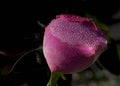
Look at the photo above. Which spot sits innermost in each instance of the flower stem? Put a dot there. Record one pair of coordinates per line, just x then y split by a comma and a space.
36, 49
53, 79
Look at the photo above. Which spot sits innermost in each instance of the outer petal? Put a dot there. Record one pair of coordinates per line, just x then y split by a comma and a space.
70, 45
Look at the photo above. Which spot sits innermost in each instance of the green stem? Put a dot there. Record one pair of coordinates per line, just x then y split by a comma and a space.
53, 79
36, 49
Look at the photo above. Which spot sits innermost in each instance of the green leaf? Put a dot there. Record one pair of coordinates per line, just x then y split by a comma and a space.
54, 78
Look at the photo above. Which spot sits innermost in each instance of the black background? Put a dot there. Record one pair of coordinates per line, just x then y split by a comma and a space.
19, 27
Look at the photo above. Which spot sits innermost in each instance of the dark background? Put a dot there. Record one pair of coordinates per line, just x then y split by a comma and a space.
19, 31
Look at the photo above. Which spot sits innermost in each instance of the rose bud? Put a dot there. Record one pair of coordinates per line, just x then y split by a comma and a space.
72, 43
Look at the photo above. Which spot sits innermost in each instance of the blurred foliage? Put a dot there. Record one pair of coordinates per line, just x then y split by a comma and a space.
118, 51
97, 77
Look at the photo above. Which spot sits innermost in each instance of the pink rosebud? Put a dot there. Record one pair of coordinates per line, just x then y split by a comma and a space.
72, 43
